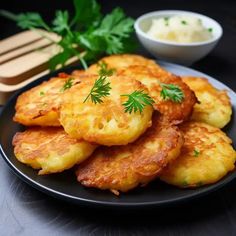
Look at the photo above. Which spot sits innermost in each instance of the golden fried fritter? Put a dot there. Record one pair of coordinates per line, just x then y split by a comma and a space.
214, 107
104, 123
120, 62
50, 149
206, 157
40, 105
125, 167
152, 78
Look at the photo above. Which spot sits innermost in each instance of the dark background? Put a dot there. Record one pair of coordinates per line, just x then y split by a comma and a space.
25, 211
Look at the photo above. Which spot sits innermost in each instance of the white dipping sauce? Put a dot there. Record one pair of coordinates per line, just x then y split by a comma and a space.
180, 29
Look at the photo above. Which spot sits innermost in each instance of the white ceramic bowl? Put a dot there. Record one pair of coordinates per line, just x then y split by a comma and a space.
181, 53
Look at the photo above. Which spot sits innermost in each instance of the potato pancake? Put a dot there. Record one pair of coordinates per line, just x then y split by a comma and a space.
104, 123
125, 167
120, 62
214, 107
40, 105
152, 79
206, 157
50, 149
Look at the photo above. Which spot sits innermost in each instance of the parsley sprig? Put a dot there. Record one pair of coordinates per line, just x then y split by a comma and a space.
101, 87
172, 92
196, 153
68, 84
104, 70
87, 34
137, 101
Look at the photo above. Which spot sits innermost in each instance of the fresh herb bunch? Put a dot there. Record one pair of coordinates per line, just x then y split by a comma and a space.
101, 87
172, 92
137, 101
88, 34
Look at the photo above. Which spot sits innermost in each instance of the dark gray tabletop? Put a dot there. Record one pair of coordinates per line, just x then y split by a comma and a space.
26, 211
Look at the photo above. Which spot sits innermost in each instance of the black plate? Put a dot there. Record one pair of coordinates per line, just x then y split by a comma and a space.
66, 187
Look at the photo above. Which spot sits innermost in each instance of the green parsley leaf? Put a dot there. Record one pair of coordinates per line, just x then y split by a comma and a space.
171, 92
137, 101
117, 26
111, 33
60, 23
210, 29
100, 89
68, 84
31, 20
87, 13
183, 22
104, 71
196, 153
117, 23
26, 20
42, 93
59, 59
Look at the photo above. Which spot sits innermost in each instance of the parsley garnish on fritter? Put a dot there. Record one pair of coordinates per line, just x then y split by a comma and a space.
68, 84
104, 71
101, 87
137, 101
172, 92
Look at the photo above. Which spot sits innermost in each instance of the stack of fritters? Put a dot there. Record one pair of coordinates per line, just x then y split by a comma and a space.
132, 148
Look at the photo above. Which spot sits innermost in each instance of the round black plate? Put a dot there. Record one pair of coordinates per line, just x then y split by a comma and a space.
66, 187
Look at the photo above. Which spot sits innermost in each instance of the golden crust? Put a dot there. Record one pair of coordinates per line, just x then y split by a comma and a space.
105, 123
206, 157
120, 62
40, 105
125, 167
214, 107
50, 149
78, 73
151, 78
